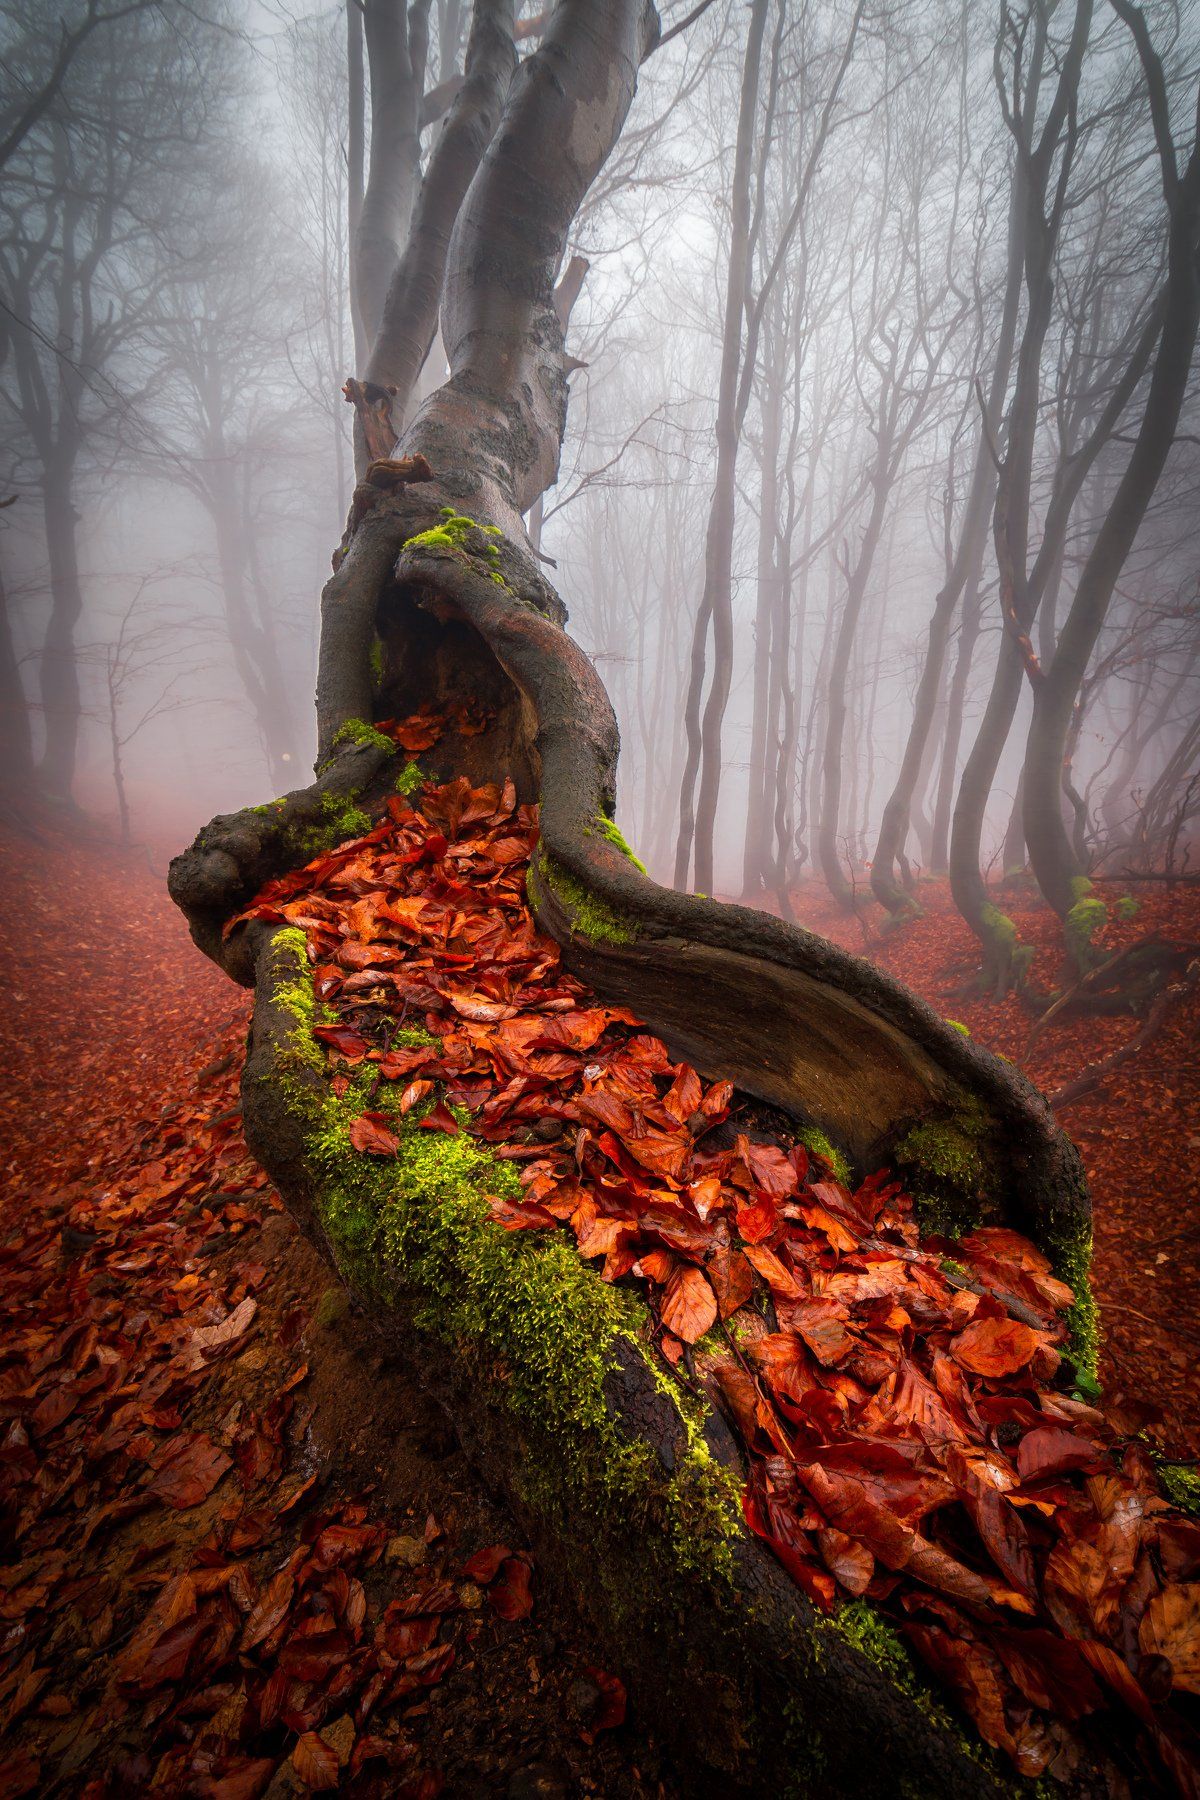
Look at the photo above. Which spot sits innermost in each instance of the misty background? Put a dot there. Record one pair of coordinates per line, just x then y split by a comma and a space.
176, 326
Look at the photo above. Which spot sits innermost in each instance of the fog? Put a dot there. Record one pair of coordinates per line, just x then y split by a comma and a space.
862, 296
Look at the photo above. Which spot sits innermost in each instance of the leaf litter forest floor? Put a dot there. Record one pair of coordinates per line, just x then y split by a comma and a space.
262, 1533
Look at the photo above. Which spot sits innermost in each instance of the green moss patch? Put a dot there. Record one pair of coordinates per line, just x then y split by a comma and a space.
946, 1171
590, 916
608, 828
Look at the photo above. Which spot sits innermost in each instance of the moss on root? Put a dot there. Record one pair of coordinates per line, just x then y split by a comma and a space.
1071, 1259
608, 828
341, 818
358, 731
1087, 916
943, 1163
590, 916
522, 1316
816, 1141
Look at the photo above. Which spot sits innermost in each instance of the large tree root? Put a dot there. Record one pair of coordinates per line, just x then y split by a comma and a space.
628, 1489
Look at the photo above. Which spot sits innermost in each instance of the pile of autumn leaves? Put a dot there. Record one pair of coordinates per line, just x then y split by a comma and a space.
906, 1439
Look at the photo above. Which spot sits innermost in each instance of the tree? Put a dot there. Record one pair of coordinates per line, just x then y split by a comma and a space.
438, 600
1174, 329
90, 202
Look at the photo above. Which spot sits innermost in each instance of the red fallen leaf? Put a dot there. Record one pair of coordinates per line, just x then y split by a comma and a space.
657, 1265
1050, 1671
19, 1774
609, 1711
689, 1306
344, 1039
311, 1658
190, 1472
268, 1610
429, 1666
785, 1362
732, 1280
975, 1677
510, 1593
1052, 1451
516, 1217
778, 1277
995, 1347
58, 1405
244, 1780
1171, 1627
997, 1521
484, 1566
683, 1096
315, 1763
405, 1637
815, 1582
371, 1134
758, 1220
822, 1325
416, 1090
715, 1103
851, 1564
440, 1118
436, 1597
337, 1545
772, 1170
168, 1660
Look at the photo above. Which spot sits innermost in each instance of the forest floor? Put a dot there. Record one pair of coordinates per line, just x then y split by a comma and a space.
1139, 1134
191, 1420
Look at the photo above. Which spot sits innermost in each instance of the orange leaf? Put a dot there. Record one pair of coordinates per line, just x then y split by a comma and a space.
689, 1306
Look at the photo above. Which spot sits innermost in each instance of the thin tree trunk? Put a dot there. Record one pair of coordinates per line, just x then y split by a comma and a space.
828, 849
355, 164
16, 733
756, 845
59, 670
704, 743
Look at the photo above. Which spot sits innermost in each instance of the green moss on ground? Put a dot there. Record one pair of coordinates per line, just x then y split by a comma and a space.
590, 916
409, 779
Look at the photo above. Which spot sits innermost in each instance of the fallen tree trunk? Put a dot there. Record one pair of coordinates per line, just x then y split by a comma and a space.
629, 1489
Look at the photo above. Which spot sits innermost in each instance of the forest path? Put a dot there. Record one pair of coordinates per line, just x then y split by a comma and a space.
1139, 1134
213, 1570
